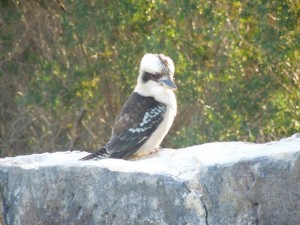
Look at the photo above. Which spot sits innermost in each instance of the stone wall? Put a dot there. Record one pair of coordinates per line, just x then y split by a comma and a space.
216, 184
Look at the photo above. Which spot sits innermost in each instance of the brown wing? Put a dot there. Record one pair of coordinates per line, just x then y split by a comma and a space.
138, 119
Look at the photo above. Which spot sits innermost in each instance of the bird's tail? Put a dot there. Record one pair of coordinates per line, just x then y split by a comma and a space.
100, 154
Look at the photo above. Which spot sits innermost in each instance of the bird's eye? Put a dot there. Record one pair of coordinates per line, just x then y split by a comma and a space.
156, 76
150, 76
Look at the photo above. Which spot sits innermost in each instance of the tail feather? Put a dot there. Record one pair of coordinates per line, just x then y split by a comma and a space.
100, 154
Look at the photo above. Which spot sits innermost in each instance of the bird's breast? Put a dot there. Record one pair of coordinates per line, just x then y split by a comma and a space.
152, 144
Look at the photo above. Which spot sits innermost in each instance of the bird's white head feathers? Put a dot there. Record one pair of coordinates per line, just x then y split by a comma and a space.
153, 63
156, 78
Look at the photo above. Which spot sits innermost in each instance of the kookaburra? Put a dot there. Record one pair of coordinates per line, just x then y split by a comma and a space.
148, 114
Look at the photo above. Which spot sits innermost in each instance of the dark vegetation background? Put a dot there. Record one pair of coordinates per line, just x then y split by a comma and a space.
66, 68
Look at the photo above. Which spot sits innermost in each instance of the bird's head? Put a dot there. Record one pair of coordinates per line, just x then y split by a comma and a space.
157, 71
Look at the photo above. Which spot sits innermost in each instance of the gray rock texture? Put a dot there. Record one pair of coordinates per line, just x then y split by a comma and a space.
216, 184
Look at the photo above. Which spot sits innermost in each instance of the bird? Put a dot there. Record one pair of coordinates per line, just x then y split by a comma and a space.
147, 115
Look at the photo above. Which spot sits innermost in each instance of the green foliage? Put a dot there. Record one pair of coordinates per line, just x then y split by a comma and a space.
67, 67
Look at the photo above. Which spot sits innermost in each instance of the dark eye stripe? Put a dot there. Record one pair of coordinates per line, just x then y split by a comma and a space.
150, 76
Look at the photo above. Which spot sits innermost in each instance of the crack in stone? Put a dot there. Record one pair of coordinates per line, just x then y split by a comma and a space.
256, 206
206, 213
194, 200
4, 207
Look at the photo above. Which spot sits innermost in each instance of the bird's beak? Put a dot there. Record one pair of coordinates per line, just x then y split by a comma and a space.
167, 82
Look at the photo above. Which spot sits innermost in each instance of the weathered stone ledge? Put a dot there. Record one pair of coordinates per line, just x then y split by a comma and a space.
216, 184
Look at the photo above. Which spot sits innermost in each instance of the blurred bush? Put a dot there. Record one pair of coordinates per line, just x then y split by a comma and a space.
66, 68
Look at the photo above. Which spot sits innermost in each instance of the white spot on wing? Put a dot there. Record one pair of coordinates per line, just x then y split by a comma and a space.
149, 119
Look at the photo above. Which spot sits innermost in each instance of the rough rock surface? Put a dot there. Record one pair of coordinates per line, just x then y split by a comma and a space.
215, 184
